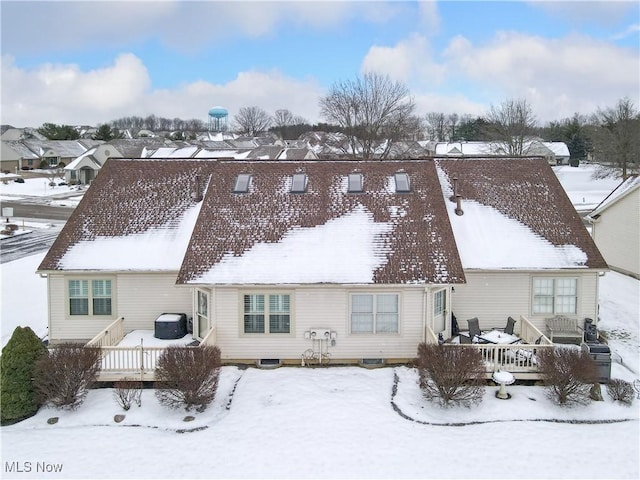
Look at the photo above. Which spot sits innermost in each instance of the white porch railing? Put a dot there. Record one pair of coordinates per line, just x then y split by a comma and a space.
519, 358
110, 336
210, 338
137, 362
530, 333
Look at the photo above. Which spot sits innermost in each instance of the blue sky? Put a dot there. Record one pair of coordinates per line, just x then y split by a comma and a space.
91, 62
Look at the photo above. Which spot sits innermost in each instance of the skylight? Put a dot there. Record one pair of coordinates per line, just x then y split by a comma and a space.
355, 183
402, 182
299, 183
242, 183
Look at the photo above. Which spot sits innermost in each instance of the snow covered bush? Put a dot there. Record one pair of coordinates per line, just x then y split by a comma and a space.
64, 376
128, 391
620, 391
18, 398
568, 374
450, 374
187, 377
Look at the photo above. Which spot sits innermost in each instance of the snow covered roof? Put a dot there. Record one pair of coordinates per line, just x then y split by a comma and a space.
515, 217
629, 185
142, 215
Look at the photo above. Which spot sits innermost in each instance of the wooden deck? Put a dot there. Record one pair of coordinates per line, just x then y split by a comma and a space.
139, 362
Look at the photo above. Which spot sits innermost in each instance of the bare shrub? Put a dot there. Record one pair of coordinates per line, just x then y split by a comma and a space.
451, 374
64, 376
568, 375
128, 391
620, 391
188, 377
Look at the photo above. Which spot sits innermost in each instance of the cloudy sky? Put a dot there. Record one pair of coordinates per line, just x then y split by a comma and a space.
89, 62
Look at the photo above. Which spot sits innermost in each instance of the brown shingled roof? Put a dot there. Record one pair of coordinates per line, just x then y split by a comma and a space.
526, 190
421, 247
130, 196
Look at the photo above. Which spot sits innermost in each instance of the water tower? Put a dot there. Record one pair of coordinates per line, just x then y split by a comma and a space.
218, 119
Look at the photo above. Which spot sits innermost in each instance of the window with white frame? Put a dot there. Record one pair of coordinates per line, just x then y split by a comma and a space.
267, 313
374, 313
90, 297
555, 296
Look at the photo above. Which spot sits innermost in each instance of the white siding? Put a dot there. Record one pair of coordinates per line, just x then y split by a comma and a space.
139, 298
494, 296
317, 307
617, 234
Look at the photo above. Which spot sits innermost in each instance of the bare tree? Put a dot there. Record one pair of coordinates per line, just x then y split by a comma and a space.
510, 125
369, 110
436, 128
616, 137
452, 126
251, 121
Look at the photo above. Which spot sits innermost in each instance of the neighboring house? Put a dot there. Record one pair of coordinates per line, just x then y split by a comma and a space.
263, 254
85, 168
297, 153
17, 156
265, 152
616, 227
555, 153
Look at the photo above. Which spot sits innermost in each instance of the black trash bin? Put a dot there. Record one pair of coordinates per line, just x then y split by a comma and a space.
601, 354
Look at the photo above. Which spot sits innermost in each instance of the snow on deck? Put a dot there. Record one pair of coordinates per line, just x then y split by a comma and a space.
347, 249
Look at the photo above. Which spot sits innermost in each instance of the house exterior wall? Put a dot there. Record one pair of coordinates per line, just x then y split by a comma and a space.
617, 234
316, 307
137, 297
492, 296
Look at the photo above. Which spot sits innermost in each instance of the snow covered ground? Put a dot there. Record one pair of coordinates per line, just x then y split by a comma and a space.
341, 422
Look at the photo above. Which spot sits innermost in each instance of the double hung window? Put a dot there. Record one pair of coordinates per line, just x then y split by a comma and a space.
374, 313
555, 296
267, 313
90, 297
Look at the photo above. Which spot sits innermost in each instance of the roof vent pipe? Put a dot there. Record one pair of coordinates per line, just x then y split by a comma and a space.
459, 205
455, 189
197, 193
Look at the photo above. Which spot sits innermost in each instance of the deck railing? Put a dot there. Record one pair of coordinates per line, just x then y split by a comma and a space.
210, 338
530, 333
110, 336
519, 359
137, 362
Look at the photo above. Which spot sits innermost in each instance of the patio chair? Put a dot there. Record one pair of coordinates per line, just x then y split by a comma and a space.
465, 338
474, 328
510, 324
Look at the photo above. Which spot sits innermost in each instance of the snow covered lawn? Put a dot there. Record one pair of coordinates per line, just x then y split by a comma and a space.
329, 423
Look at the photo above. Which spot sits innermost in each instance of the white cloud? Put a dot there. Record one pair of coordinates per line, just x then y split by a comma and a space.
66, 94
582, 11
630, 30
185, 26
429, 15
558, 76
410, 61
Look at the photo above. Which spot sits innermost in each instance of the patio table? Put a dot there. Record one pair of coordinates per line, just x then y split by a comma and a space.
496, 336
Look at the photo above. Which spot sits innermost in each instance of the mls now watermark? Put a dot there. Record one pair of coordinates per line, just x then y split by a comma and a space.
35, 467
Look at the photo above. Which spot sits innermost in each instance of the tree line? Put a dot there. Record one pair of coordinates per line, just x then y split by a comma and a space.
372, 112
